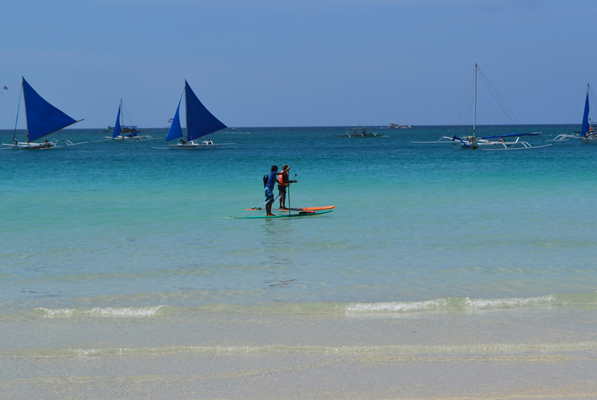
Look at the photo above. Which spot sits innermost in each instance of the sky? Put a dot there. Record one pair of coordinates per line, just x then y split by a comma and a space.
270, 63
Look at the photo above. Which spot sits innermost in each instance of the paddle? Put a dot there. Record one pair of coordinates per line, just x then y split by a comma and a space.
289, 193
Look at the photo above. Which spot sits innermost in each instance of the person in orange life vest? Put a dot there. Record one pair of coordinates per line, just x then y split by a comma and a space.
283, 183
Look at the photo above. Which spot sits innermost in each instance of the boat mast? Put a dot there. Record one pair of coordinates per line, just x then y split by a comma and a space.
475, 116
121, 114
588, 117
25, 103
186, 107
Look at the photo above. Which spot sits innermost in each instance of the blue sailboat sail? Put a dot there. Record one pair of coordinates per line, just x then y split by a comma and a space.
200, 121
175, 130
585, 118
117, 125
42, 117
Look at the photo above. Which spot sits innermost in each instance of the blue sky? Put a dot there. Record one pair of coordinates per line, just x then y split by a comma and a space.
301, 62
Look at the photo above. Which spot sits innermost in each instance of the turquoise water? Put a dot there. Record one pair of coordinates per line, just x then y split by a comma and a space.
109, 247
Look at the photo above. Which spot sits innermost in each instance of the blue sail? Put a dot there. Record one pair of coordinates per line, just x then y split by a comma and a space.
117, 125
175, 130
42, 117
585, 118
200, 121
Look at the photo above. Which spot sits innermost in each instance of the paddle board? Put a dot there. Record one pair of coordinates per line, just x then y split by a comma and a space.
291, 215
294, 209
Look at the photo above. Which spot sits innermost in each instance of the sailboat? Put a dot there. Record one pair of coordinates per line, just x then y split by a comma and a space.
200, 122
493, 142
587, 134
42, 120
126, 132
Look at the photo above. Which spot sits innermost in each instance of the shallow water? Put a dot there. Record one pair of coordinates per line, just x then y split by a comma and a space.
119, 257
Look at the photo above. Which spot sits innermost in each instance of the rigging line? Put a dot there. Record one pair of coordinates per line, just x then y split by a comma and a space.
14, 135
574, 113
466, 103
499, 100
128, 114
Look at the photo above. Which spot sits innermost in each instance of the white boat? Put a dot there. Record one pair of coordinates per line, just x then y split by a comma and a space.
392, 125
42, 120
493, 142
200, 122
126, 132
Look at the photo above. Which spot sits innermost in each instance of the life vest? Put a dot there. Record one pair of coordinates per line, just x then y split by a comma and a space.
281, 179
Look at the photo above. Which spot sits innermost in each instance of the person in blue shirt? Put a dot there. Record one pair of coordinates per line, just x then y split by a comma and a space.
269, 190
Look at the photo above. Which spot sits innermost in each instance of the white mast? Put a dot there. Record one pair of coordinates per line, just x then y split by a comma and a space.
475, 116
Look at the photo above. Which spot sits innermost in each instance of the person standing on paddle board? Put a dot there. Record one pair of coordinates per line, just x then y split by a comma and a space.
283, 183
269, 190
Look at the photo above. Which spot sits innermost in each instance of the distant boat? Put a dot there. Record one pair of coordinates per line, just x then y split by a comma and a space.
126, 132
587, 134
396, 126
42, 120
200, 123
488, 142
359, 133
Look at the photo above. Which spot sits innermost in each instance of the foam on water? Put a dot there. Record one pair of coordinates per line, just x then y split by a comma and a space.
131, 312
584, 301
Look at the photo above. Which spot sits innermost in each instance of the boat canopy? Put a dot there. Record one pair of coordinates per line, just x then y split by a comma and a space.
200, 121
42, 117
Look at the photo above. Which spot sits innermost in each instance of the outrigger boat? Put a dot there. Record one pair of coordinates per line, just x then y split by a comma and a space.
359, 133
393, 125
42, 120
126, 132
200, 122
493, 142
587, 134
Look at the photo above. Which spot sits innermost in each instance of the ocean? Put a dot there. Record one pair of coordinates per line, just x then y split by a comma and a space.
439, 274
